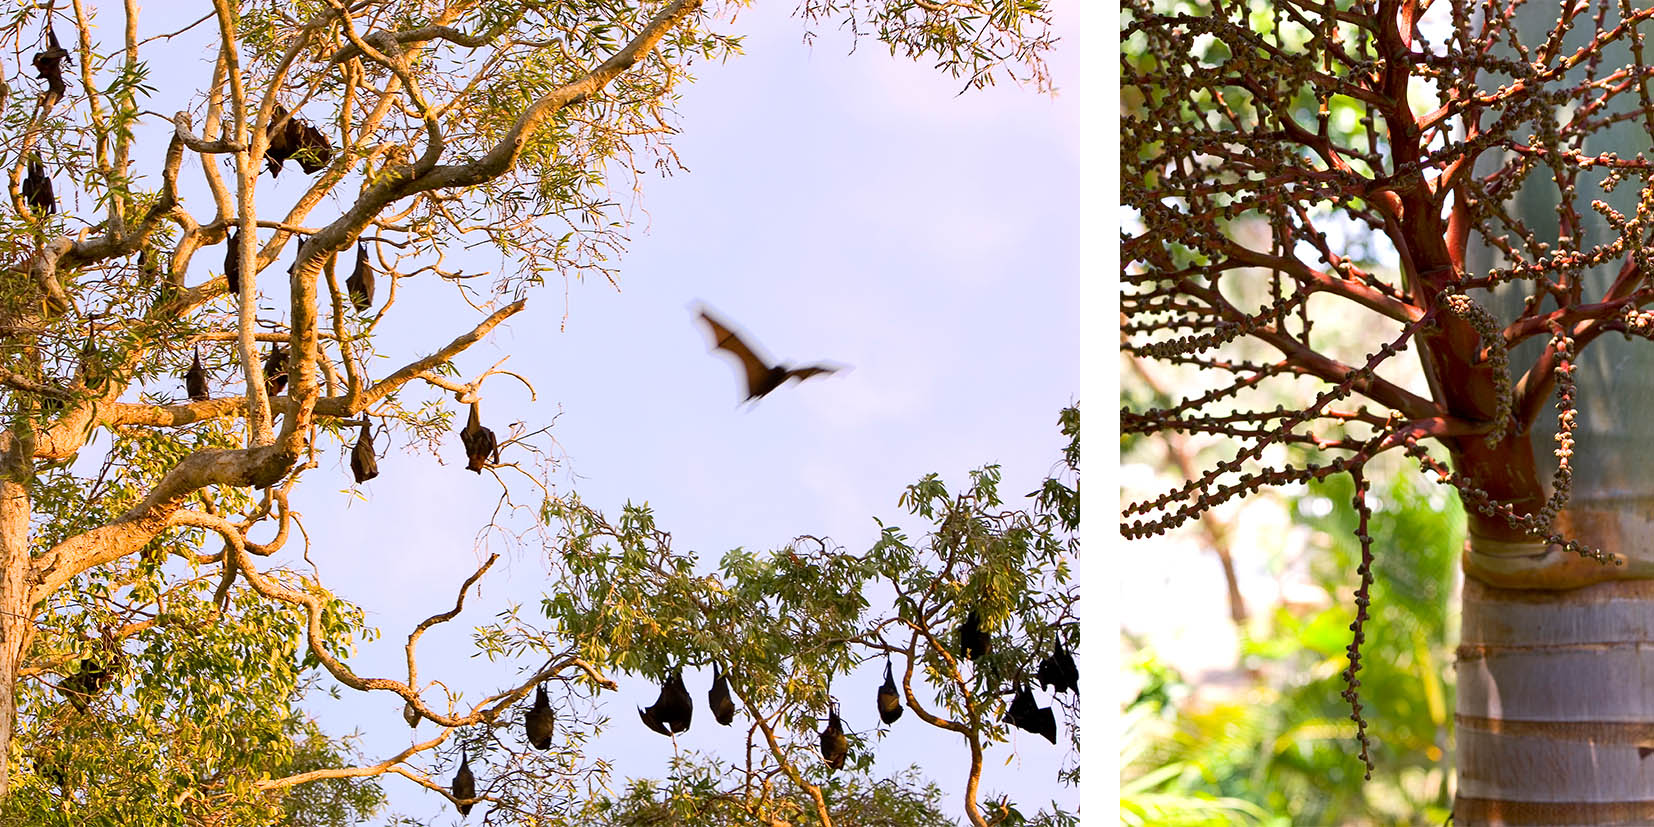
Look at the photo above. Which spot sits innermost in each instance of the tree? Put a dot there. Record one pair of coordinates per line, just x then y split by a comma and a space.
138, 606
1286, 163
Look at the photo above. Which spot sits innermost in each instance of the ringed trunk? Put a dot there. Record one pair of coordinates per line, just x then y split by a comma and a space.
1554, 715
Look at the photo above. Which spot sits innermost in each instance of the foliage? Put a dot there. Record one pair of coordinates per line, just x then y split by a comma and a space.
784, 625
691, 798
1274, 752
207, 703
155, 583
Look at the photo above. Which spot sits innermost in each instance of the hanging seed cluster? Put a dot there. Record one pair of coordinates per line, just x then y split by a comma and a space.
1278, 164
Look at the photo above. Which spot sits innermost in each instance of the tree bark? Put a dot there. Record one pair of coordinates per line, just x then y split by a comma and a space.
15, 627
1554, 716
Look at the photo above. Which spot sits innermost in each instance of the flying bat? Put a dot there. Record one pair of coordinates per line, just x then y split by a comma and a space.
762, 377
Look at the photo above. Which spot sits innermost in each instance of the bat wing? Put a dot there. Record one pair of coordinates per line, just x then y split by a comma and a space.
813, 370
725, 339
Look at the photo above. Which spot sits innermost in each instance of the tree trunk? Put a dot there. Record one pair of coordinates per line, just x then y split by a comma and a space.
1554, 716
15, 627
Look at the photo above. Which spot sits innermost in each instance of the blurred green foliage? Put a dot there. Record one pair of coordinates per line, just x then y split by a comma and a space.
1281, 751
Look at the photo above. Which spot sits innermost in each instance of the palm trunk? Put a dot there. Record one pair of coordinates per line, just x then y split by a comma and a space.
1555, 719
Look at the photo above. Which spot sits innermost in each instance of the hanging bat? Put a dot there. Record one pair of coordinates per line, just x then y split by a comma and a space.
37, 190
890, 703
1026, 714
48, 66
465, 784
292, 138
762, 377
283, 134
723, 709
973, 642
232, 262
89, 679
479, 443
195, 380
538, 722
673, 710
275, 371
299, 240
1059, 670
148, 268
314, 151
360, 283
834, 746
93, 377
364, 464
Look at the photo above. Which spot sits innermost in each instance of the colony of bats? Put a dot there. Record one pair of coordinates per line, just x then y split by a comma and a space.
292, 138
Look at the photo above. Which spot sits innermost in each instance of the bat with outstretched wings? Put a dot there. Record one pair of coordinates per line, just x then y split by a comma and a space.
762, 377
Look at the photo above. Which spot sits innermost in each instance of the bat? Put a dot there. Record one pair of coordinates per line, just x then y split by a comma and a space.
973, 642
479, 443
315, 152
148, 268
299, 240
360, 283
283, 136
48, 66
195, 380
410, 714
93, 376
673, 710
834, 746
364, 464
275, 371
465, 784
291, 137
1059, 670
89, 679
1026, 714
762, 377
232, 262
723, 709
37, 190
539, 720
890, 703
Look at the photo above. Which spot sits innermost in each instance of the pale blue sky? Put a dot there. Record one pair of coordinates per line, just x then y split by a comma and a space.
843, 207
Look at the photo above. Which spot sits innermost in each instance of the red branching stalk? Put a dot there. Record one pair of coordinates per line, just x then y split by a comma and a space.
1276, 170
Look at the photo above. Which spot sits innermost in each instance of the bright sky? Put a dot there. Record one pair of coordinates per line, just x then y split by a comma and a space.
846, 208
